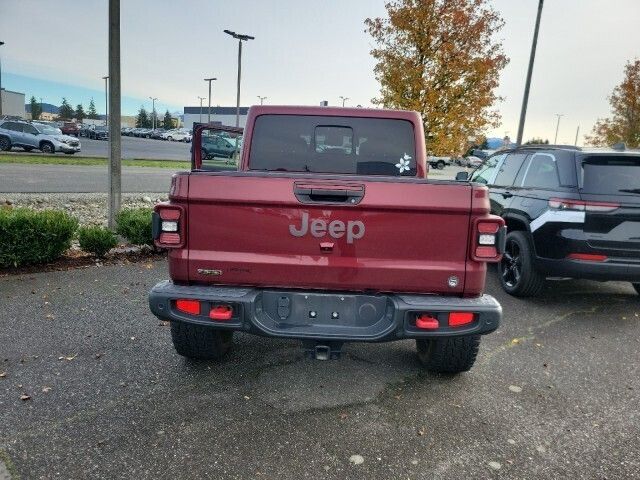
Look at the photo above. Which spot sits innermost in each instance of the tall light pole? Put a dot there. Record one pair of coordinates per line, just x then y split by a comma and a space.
106, 98
209, 110
525, 99
241, 38
577, 132
1, 43
344, 99
115, 102
153, 111
261, 99
40, 108
559, 115
201, 99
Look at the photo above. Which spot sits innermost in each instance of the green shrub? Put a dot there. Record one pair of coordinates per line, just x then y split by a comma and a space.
28, 237
134, 224
96, 240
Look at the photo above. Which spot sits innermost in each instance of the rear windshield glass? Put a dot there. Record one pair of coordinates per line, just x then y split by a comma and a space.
345, 145
611, 175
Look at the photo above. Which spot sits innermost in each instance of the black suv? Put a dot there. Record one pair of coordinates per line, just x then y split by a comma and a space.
570, 213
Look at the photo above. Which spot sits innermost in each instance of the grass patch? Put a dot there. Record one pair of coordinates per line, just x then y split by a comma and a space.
94, 161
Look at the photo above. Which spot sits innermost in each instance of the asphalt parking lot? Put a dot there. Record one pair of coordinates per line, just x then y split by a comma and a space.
554, 393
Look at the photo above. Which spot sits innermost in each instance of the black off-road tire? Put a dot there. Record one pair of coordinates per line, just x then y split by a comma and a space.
448, 354
200, 342
5, 144
637, 287
519, 255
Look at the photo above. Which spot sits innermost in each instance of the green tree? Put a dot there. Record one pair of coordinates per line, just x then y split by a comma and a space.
36, 108
168, 121
443, 59
624, 123
80, 113
65, 111
92, 112
537, 141
143, 120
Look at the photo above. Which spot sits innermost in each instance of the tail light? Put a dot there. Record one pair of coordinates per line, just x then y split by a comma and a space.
191, 307
489, 236
221, 312
582, 206
168, 226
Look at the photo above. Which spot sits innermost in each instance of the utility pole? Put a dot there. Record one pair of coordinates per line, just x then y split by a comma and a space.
209, 110
525, 100
555, 140
577, 132
261, 99
201, 99
106, 99
115, 170
241, 38
1, 43
344, 99
153, 112
40, 107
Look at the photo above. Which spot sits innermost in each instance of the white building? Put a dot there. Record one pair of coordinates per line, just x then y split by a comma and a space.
220, 115
13, 103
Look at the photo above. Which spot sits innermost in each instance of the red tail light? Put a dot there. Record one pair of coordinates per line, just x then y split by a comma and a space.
582, 206
426, 322
221, 312
589, 257
488, 240
457, 319
168, 226
192, 307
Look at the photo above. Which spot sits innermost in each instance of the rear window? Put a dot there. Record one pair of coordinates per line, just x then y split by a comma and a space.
613, 175
345, 145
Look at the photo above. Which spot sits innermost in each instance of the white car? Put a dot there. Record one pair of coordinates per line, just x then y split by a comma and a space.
31, 136
178, 136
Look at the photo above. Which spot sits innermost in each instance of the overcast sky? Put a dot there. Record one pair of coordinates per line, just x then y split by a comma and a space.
305, 51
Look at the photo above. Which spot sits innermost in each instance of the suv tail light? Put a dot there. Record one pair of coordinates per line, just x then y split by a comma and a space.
488, 237
582, 206
168, 226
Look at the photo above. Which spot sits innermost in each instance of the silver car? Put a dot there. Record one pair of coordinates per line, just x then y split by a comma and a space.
30, 136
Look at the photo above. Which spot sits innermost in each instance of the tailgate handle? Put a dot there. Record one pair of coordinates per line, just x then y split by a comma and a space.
329, 195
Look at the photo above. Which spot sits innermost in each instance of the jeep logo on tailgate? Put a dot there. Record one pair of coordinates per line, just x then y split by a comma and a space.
336, 229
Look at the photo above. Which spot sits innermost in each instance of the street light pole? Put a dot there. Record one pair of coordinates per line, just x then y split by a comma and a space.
115, 102
106, 99
241, 38
153, 112
39, 116
577, 132
525, 99
201, 98
555, 140
209, 110
344, 99
261, 99
1, 43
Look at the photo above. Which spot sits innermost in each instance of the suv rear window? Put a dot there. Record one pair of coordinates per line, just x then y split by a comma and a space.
345, 145
612, 175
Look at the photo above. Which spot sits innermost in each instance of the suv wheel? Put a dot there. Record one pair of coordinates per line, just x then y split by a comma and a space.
517, 273
5, 144
637, 287
440, 165
47, 147
200, 342
448, 354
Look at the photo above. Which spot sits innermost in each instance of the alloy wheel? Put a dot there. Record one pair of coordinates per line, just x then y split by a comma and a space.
511, 264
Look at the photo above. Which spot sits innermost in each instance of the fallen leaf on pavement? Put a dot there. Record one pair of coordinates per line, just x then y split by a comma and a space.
24, 397
421, 431
46, 389
3, 374
343, 416
68, 358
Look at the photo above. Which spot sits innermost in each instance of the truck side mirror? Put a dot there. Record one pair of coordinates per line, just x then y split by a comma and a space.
462, 176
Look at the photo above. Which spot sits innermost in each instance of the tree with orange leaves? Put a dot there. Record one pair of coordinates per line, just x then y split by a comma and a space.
440, 58
624, 123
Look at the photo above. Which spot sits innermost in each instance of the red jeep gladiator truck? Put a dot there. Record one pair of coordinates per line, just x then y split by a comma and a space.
328, 232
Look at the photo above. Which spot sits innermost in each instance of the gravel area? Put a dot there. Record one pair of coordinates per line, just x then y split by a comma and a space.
88, 208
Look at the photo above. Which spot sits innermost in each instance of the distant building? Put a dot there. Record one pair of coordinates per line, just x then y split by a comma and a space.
13, 103
49, 111
224, 115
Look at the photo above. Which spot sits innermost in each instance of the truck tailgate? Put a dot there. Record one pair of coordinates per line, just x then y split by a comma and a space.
363, 234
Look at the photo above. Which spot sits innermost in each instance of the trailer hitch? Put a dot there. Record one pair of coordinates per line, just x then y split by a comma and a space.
322, 350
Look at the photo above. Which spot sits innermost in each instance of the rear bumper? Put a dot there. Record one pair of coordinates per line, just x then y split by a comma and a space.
310, 314
624, 270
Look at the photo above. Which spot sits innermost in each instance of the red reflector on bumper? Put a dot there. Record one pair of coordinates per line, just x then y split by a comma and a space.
589, 257
486, 252
192, 307
169, 238
457, 319
221, 312
427, 322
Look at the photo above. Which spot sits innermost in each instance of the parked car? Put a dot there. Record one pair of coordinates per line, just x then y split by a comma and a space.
70, 128
99, 132
179, 136
570, 212
439, 162
306, 244
168, 133
32, 136
217, 146
470, 161
84, 130
157, 133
